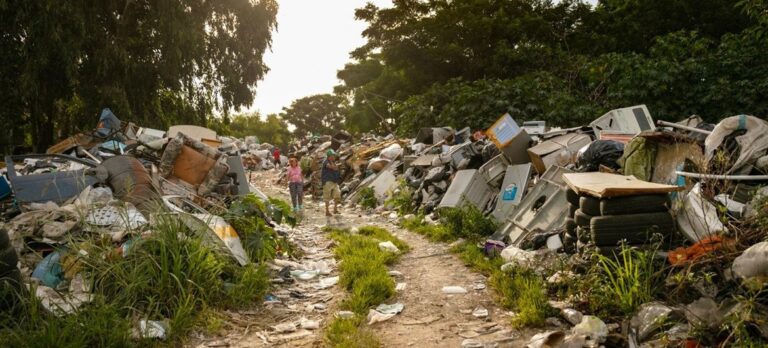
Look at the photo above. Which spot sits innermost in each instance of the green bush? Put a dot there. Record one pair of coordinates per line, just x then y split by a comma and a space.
437, 233
247, 217
467, 222
368, 198
402, 199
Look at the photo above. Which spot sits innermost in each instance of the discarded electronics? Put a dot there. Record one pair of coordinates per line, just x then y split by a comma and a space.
631, 120
513, 189
468, 186
512, 141
544, 208
560, 151
535, 127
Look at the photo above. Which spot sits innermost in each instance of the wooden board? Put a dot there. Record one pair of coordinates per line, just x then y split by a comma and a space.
603, 185
192, 166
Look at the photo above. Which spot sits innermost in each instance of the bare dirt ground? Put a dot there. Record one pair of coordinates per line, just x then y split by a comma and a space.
431, 318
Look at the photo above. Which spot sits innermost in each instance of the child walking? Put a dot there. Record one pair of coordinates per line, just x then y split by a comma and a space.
295, 183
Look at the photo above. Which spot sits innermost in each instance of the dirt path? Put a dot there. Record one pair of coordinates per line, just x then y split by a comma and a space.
434, 319
430, 318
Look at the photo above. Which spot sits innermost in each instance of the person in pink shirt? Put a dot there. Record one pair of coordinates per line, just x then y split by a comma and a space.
295, 183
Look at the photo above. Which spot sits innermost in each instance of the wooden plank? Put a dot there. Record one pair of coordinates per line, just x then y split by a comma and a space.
604, 185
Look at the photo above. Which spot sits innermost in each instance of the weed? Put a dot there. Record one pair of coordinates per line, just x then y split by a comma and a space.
97, 324
629, 278
260, 241
468, 223
401, 199
382, 235
281, 210
368, 198
350, 333
516, 289
437, 233
363, 273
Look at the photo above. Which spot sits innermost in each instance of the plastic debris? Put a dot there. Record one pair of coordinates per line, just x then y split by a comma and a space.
752, 263
650, 319
327, 282
454, 290
153, 329
480, 312
592, 327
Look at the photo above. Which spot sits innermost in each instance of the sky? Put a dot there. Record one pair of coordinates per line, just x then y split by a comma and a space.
313, 41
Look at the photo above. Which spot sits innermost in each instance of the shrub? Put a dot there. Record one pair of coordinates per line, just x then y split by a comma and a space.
368, 198
629, 278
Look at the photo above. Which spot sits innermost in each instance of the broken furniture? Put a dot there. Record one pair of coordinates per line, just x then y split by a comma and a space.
54, 186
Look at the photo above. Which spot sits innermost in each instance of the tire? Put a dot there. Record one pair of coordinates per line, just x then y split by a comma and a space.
8, 260
582, 219
5, 240
590, 205
571, 196
572, 210
634, 228
570, 226
635, 205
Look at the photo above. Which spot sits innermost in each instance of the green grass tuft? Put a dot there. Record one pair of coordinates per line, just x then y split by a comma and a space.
363, 272
350, 333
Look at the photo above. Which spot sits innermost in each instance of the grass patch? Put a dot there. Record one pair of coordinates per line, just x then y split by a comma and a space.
350, 333
436, 233
363, 272
629, 278
468, 223
517, 289
261, 242
174, 274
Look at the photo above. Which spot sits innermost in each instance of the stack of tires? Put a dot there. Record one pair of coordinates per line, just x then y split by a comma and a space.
10, 277
607, 222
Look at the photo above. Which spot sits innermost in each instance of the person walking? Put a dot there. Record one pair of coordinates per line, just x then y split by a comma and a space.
276, 156
330, 178
295, 183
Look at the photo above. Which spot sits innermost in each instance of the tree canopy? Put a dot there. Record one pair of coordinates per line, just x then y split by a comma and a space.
465, 62
155, 63
317, 114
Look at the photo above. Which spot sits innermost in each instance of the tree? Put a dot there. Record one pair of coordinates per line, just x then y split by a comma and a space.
317, 114
271, 129
152, 62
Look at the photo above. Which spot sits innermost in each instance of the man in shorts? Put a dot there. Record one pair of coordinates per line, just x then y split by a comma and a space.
331, 177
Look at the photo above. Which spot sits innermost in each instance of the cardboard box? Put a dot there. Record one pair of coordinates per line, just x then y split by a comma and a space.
560, 150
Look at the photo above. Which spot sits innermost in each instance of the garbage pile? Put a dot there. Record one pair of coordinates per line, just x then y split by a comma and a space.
112, 185
691, 189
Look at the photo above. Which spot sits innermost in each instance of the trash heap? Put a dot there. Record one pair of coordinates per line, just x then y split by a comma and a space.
694, 192
119, 184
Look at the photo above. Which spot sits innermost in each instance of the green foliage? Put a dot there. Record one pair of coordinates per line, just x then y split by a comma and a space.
272, 130
97, 324
174, 274
401, 199
317, 114
281, 210
261, 242
630, 278
153, 63
520, 290
467, 222
368, 198
437, 233
363, 272
350, 333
